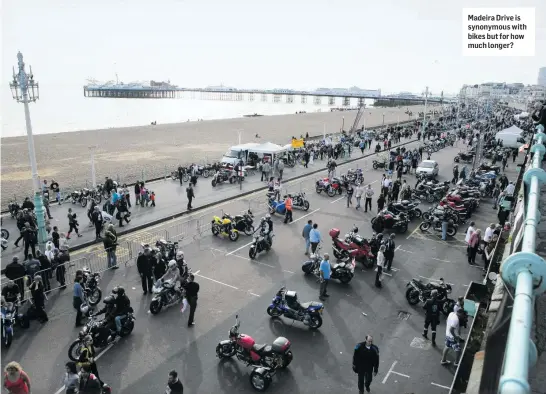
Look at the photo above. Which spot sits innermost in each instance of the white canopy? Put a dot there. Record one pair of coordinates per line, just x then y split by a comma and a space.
511, 130
268, 147
243, 147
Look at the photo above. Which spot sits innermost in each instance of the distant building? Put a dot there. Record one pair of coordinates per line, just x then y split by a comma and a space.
533, 93
492, 90
542, 76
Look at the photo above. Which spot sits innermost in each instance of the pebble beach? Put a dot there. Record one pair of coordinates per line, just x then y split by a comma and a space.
132, 153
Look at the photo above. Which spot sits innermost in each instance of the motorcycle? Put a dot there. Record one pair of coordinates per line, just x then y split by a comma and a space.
354, 247
77, 197
286, 304
165, 295
5, 234
185, 175
91, 286
344, 271
379, 164
355, 176
436, 225
407, 207
261, 243
331, 188
224, 226
417, 292
10, 317
266, 359
300, 201
243, 223
221, 176
386, 220
464, 157
14, 208
487, 168
94, 327
275, 206
168, 249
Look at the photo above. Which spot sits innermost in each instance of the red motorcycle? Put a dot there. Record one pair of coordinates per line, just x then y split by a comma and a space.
264, 358
330, 187
354, 247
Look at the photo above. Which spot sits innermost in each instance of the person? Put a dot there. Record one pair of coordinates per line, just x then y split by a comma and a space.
488, 236
305, 234
38, 298
71, 380
350, 191
192, 289
288, 207
87, 357
380, 202
15, 271
159, 264
97, 220
122, 306
10, 292
365, 363
55, 237
27, 204
455, 174
445, 225
380, 266
78, 299
32, 266
173, 273
110, 243
469, 231
137, 191
29, 238
509, 191
45, 266
72, 223
389, 251
89, 384
474, 244
108, 323
432, 316
16, 381
145, 267
190, 194
368, 202
314, 238
452, 338
174, 385
324, 270
358, 194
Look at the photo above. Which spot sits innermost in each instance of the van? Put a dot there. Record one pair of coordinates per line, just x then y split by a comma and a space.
237, 152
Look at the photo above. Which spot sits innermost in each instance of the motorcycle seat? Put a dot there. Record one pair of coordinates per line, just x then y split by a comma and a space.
238, 217
307, 305
339, 265
162, 242
259, 348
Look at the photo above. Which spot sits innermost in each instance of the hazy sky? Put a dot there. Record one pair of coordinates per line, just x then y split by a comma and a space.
395, 45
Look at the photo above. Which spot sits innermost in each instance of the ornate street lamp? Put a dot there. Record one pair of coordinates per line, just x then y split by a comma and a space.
25, 90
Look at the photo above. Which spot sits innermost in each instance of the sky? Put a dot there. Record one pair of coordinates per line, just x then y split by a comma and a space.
392, 45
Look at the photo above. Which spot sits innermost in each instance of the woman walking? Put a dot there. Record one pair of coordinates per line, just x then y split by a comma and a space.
39, 298
78, 299
72, 223
380, 266
71, 379
16, 381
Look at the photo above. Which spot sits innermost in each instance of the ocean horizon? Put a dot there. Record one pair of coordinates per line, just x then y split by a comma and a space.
67, 111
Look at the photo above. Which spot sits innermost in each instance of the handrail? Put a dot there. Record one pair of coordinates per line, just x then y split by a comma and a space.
526, 272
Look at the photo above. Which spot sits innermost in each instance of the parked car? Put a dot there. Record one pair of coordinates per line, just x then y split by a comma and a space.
429, 168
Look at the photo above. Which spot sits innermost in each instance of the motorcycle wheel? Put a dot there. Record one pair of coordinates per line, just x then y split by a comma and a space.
345, 279
273, 312
222, 351
456, 159
213, 183
305, 205
402, 228
451, 231
368, 263
97, 198
412, 296
75, 350
315, 322
24, 322
430, 198
95, 297
259, 381
337, 255
155, 307
424, 226
83, 202
287, 359
185, 178
214, 230
206, 173
174, 177
252, 252
249, 230
448, 307
426, 216
331, 192
231, 180
8, 338
417, 213
318, 189
5, 234
127, 328
233, 235
374, 165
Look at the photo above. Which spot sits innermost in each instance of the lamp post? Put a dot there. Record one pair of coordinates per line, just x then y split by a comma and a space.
425, 113
25, 90
92, 149
383, 119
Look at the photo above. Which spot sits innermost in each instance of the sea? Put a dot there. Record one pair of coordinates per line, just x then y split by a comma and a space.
66, 109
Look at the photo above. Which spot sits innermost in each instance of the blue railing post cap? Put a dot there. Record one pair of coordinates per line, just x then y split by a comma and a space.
538, 147
533, 353
540, 128
525, 261
523, 384
538, 172
539, 134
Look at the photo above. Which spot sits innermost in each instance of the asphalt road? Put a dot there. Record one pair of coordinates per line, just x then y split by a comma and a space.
232, 284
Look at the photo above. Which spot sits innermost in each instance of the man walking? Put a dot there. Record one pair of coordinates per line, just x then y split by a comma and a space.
389, 252
305, 234
191, 195
110, 243
314, 237
368, 202
72, 223
432, 316
288, 207
97, 220
350, 190
365, 363
280, 167
358, 194
144, 267
29, 238
192, 289
324, 270
452, 338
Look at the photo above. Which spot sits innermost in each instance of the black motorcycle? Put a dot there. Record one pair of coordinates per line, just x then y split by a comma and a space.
420, 292
185, 175
300, 201
464, 157
242, 223
386, 220
436, 225
286, 304
168, 249
261, 243
407, 207
92, 290
95, 328
77, 197
14, 208
379, 164
343, 271
487, 167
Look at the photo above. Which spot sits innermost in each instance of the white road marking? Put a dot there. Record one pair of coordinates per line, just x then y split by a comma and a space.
364, 314
96, 358
195, 273
290, 272
398, 247
395, 269
439, 385
241, 257
434, 280
341, 198
242, 247
254, 294
217, 281
445, 261
392, 371
404, 250
413, 232
310, 213
384, 273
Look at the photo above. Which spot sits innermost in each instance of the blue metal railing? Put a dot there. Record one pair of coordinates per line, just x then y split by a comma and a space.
526, 272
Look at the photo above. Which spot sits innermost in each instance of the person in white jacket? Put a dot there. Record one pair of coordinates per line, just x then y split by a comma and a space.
380, 266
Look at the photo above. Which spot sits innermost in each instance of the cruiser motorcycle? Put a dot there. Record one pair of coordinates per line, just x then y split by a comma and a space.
224, 226
165, 295
286, 304
92, 290
436, 225
417, 291
265, 359
77, 197
261, 243
344, 271
299, 201
168, 249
